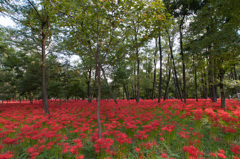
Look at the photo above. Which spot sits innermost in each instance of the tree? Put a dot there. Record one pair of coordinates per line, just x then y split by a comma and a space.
218, 34
36, 19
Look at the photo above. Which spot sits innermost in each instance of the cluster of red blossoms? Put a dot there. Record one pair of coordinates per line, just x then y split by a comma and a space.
145, 126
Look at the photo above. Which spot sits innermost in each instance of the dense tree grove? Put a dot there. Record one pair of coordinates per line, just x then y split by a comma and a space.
127, 50
197, 43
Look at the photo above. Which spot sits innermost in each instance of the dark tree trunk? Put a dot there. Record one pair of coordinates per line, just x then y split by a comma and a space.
98, 101
89, 85
235, 72
44, 89
174, 67
223, 101
205, 85
98, 73
183, 64
160, 76
214, 95
126, 92
154, 75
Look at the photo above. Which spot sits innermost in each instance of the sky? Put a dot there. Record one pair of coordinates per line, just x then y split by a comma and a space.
7, 22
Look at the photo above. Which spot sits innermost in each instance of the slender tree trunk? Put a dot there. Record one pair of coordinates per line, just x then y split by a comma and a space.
183, 64
205, 85
223, 101
98, 73
44, 89
235, 72
125, 89
160, 76
174, 67
89, 85
98, 102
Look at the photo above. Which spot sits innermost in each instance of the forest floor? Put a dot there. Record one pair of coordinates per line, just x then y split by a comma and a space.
150, 130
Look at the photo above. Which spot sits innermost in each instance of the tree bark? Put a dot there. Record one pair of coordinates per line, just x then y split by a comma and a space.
125, 89
89, 85
98, 73
183, 64
174, 67
223, 101
44, 89
160, 76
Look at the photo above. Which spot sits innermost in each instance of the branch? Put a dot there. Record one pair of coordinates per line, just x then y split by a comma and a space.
35, 9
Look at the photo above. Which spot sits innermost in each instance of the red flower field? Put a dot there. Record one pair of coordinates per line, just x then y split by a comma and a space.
148, 129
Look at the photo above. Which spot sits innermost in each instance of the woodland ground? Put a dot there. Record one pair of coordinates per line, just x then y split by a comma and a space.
148, 129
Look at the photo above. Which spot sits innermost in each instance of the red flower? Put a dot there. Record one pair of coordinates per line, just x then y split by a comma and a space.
213, 154
163, 155
137, 149
6, 155
221, 155
221, 151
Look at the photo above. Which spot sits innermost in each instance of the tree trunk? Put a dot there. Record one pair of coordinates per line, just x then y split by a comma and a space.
174, 67
89, 85
205, 85
223, 101
44, 89
183, 64
160, 76
235, 72
125, 89
98, 102
98, 73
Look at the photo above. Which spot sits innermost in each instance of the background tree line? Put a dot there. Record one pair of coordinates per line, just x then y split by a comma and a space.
127, 49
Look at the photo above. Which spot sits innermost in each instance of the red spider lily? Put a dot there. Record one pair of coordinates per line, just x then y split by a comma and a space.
141, 135
192, 151
137, 149
163, 155
6, 155
221, 151
221, 155
235, 149
169, 128
103, 144
213, 154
